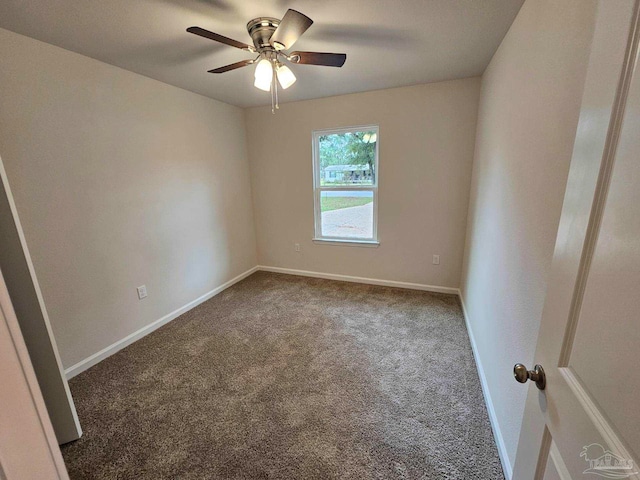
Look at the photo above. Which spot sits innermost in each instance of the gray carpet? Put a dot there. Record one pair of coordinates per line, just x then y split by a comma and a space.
291, 377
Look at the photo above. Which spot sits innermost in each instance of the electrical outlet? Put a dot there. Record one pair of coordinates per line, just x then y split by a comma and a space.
142, 292
436, 259
297, 247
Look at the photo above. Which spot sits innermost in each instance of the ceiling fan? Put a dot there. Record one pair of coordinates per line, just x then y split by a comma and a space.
271, 37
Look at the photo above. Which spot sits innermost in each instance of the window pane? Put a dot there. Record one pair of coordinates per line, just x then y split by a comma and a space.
348, 158
347, 214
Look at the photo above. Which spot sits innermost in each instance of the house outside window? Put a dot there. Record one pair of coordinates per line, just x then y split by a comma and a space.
345, 182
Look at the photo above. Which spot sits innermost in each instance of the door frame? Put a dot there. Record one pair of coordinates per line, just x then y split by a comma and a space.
31, 449
36, 329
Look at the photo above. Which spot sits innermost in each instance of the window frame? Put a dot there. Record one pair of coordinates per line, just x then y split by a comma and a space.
318, 188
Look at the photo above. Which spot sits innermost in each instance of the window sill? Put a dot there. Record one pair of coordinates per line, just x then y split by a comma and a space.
346, 243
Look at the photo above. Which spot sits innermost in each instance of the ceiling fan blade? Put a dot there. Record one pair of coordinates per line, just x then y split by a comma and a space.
219, 38
319, 58
292, 25
233, 66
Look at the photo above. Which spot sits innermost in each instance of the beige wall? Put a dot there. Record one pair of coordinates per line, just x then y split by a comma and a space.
119, 181
427, 135
529, 107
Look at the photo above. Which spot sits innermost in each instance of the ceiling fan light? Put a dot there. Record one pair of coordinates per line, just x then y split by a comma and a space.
262, 84
264, 70
285, 76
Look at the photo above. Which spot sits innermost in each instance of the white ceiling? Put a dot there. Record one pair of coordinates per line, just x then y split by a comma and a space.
388, 43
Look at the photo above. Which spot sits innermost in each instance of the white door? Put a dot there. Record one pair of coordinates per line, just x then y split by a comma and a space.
586, 423
28, 446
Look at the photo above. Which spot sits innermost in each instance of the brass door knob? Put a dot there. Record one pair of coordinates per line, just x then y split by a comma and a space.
536, 375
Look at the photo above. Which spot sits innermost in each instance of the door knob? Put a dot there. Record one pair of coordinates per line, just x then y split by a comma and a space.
521, 374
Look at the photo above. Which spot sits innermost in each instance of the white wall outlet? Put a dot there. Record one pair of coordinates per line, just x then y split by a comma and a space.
142, 291
297, 247
436, 259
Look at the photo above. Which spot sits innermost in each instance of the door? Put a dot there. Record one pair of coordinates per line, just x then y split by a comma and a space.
28, 446
22, 285
585, 423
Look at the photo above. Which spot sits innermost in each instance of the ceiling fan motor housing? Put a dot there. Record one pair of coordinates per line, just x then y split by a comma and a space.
261, 29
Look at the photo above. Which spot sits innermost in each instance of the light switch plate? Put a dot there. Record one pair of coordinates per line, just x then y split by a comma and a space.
142, 291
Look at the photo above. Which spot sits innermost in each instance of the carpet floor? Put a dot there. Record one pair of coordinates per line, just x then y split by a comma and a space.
290, 377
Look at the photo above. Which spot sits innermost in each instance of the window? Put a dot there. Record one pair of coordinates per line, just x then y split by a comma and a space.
345, 184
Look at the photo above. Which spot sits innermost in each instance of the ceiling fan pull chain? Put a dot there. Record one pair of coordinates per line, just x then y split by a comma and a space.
273, 100
275, 83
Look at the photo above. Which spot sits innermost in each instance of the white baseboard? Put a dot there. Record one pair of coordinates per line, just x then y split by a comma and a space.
368, 281
89, 362
495, 427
